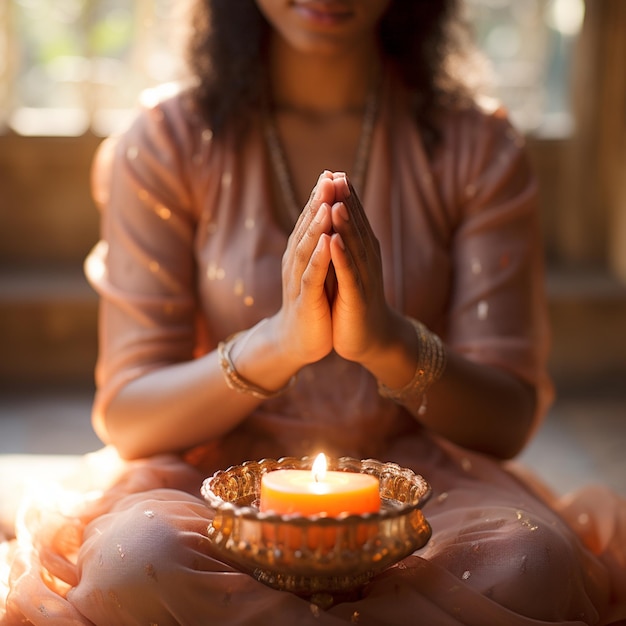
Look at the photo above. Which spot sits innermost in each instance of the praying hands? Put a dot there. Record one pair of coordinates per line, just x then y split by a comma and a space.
333, 296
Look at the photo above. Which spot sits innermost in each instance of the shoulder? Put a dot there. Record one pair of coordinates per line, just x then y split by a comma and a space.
485, 157
165, 140
165, 150
485, 123
166, 119
480, 137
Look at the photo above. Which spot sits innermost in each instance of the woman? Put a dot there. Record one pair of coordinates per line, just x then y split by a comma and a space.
398, 315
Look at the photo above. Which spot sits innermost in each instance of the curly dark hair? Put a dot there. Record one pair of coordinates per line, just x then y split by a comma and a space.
426, 39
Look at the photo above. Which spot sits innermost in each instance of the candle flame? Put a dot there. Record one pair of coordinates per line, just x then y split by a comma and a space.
319, 468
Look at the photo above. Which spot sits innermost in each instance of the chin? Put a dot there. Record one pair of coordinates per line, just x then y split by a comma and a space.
323, 47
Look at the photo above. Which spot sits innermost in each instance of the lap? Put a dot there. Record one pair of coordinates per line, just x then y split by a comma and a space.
497, 555
517, 558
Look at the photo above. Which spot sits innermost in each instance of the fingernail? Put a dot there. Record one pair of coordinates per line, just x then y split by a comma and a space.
346, 187
318, 215
339, 240
343, 211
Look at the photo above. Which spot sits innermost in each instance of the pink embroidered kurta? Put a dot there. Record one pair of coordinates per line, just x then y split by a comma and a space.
190, 253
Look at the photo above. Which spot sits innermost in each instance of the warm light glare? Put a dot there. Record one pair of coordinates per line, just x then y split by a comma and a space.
152, 96
566, 16
319, 468
95, 266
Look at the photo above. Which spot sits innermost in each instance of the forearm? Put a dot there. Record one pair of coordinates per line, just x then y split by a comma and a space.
481, 407
474, 405
181, 405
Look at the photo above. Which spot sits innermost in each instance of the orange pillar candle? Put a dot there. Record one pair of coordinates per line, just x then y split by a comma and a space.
319, 492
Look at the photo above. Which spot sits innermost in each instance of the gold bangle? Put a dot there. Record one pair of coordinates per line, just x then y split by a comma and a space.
431, 364
238, 383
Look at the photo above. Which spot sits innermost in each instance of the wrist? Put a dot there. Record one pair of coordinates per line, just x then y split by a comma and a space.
280, 345
257, 359
393, 358
431, 363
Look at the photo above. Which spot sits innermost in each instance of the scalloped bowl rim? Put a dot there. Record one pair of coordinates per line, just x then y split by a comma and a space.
249, 512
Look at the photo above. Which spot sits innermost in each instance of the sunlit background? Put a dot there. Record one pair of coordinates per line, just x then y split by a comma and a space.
529, 44
72, 65
77, 65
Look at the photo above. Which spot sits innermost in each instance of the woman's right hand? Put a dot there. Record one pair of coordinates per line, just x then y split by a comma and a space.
303, 325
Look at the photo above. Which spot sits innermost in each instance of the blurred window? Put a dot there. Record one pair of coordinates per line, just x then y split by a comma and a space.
530, 44
69, 66
77, 65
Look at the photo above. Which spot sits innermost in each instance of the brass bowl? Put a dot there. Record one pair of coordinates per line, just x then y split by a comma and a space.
311, 555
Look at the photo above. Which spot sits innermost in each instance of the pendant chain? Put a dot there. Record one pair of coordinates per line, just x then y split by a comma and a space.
279, 161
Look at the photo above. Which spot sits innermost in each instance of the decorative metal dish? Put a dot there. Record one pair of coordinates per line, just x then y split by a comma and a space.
315, 555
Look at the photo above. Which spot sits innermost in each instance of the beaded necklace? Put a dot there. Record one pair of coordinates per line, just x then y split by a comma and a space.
279, 160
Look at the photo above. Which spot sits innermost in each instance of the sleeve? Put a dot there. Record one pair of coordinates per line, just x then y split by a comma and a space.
143, 267
498, 310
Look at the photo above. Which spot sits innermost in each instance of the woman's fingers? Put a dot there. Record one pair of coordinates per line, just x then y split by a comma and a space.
358, 216
314, 220
358, 251
304, 318
312, 252
359, 309
324, 191
348, 285
314, 276
350, 221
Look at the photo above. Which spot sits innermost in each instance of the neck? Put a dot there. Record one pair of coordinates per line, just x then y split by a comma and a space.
321, 85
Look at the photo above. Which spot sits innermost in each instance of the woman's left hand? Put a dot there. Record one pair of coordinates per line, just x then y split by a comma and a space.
362, 320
